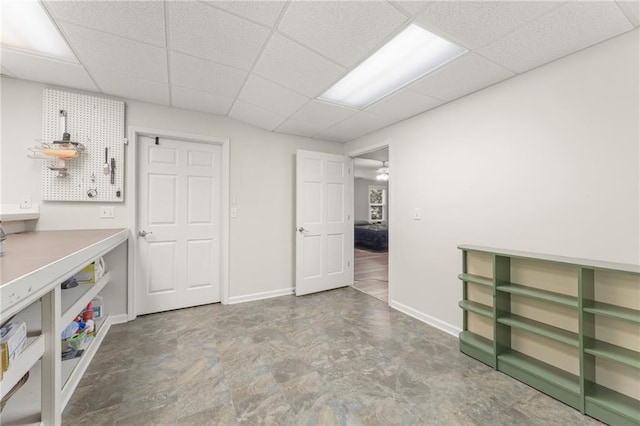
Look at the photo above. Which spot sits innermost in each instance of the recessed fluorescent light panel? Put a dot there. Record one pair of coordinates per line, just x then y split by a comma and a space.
26, 26
410, 55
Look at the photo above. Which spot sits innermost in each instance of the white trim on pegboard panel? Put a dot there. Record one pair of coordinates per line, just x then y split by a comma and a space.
97, 123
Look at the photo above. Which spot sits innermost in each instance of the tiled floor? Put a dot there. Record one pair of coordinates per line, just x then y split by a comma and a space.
370, 273
338, 357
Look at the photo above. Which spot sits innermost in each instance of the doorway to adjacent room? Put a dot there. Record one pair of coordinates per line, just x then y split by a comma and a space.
371, 223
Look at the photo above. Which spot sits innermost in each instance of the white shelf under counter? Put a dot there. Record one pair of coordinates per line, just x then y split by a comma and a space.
32, 268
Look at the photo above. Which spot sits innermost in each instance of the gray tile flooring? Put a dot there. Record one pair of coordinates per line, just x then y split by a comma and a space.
333, 358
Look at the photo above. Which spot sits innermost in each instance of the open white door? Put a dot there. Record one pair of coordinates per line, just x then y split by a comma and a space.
178, 205
324, 241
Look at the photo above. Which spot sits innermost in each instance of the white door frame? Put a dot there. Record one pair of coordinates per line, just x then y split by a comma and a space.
131, 196
364, 150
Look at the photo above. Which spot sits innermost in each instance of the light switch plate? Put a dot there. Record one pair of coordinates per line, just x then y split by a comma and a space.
107, 212
25, 202
416, 214
234, 212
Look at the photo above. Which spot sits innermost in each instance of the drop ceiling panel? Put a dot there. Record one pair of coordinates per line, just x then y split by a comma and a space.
251, 114
343, 31
631, 8
365, 122
412, 7
323, 113
271, 96
207, 76
37, 68
404, 104
108, 52
337, 134
209, 33
296, 67
301, 128
264, 12
564, 31
200, 101
130, 87
458, 78
137, 20
4, 71
477, 23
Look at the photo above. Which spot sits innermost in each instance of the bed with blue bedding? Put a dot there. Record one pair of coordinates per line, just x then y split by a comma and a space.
373, 236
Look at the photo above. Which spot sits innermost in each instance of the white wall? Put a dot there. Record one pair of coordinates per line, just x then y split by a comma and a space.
361, 198
262, 180
545, 162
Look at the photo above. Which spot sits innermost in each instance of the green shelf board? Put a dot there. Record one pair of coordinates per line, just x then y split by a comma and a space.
477, 308
612, 311
476, 279
477, 341
549, 374
544, 330
613, 353
534, 293
611, 401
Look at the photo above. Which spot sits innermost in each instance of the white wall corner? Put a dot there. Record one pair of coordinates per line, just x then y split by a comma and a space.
259, 296
427, 319
119, 319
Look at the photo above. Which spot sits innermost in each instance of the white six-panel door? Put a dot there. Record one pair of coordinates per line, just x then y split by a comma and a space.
324, 241
178, 204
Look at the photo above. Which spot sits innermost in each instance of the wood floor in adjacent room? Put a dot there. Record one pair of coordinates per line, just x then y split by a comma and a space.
371, 272
337, 357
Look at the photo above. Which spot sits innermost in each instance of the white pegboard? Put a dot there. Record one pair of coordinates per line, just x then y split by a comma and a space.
97, 123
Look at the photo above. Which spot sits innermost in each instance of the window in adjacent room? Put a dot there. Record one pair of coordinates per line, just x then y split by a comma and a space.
377, 203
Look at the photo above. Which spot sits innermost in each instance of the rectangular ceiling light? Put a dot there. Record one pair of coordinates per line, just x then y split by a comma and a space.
26, 26
410, 55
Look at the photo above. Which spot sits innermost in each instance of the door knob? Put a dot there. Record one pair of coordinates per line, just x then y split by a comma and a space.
143, 233
301, 229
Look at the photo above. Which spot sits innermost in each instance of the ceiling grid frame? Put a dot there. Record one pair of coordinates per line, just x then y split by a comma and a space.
335, 122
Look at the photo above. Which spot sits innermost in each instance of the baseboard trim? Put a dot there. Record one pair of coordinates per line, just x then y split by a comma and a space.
427, 319
119, 319
259, 296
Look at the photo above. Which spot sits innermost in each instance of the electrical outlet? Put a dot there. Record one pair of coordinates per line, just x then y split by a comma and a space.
107, 212
25, 202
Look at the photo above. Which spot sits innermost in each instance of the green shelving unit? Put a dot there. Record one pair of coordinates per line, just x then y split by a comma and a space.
542, 295
542, 376
585, 310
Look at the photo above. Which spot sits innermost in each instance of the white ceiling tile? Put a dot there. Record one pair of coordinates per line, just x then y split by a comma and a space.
477, 23
130, 87
4, 71
206, 32
271, 96
265, 12
108, 52
337, 134
404, 104
200, 101
293, 66
251, 114
365, 122
302, 128
566, 30
323, 113
631, 8
207, 76
33, 67
343, 31
138, 20
460, 77
412, 7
